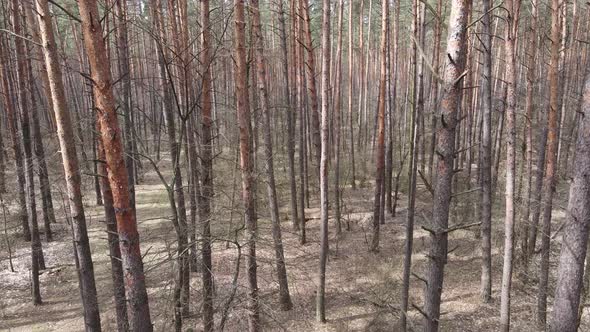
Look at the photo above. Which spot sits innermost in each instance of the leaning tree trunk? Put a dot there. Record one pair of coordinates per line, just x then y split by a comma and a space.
575, 232
71, 167
135, 286
248, 186
437, 257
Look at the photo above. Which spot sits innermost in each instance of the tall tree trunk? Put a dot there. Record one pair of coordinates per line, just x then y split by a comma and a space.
380, 153
248, 185
206, 196
350, 95
529, 108
284, 296
12, 120
412, 169
290, 95
324, 160
437, 257
37, 261
486, 157
38, 148
124, 66
135, 286
551, 161
513, 9
338, 120
575, 232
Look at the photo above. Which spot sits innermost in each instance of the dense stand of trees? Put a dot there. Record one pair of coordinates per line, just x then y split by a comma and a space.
303, 99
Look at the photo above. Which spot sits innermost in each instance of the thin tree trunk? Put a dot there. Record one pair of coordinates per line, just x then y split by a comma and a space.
290, 95
37, 261
486, 158
350, 96
338, 120
529, 108
311, 81
513, 8
248, 185
12, 119
206, 197
284, 296
324, 160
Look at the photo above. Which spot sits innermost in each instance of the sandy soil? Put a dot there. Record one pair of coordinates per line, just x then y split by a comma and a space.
363, 289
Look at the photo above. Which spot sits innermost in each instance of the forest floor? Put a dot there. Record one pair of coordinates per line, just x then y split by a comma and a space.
363, 289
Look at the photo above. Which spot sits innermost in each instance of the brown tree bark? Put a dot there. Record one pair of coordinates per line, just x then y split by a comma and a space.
248, 186
338, 120
311, 81
380, 153
437, 257
71, 168
551, 161
135, 286
117, 274
206, 196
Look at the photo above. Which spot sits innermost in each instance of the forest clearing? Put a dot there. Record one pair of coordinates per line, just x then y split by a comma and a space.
294, 165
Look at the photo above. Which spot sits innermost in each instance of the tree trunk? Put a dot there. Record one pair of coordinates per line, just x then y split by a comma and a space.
324, 160
551, 161
206, 197
248, 185
114, 249
513, 8
486, 158
12, 119
37, 261
380, 155
311, 82
437, 257
284, 296
337, 120
350, 96
290, 95
529, 108
135, 286
575, 232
